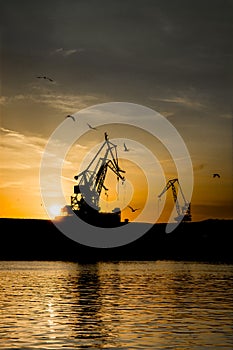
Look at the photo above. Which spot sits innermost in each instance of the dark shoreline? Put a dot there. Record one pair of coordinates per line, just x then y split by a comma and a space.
34, 239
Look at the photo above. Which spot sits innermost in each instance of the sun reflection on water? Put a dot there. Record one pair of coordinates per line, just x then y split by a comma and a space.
51, 323
144, 305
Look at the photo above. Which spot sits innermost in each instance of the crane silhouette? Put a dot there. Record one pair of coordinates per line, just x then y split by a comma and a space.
133, 209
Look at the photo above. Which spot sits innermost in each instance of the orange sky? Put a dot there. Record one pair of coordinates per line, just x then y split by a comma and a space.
20, 186
175, 60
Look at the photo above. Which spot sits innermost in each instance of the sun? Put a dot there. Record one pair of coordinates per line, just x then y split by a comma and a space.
54, 210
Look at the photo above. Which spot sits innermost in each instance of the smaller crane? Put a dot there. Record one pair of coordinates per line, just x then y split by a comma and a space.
184, 212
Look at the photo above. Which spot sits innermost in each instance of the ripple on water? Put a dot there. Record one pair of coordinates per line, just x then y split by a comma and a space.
125, 305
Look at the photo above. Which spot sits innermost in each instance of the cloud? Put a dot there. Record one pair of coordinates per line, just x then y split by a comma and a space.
21, 157
167, 114
12, 184
68, 103
66, 52
65, 103
19, 151
68, 179
3, 100
227, 116
6, 100
184, 101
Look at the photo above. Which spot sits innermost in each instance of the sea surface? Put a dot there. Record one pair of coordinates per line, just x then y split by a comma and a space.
116, 305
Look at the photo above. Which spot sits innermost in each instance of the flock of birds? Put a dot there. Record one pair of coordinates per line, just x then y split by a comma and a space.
126, 149
73, 118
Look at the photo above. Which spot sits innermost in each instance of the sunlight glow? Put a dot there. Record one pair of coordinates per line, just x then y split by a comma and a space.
55, 210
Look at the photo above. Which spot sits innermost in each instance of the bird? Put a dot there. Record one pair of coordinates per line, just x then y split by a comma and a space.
91, 127
45, 78
216, 175
125, 148
71, 116
133, 209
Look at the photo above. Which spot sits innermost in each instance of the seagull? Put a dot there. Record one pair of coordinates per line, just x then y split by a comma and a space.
125, 148
91, 127
71, 116
216, 175
45, 78
133, 210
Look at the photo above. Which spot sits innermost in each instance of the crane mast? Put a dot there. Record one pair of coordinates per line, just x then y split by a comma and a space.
184, 211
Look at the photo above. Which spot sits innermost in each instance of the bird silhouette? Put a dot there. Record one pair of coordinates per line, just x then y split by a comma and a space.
71, 116
216, 175
45, 78
133, 209
91, 127
125, 148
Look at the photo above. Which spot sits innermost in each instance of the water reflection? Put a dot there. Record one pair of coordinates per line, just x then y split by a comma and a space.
51, 324
144, 305
89, 324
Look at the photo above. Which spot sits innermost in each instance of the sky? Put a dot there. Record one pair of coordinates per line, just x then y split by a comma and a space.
174, 57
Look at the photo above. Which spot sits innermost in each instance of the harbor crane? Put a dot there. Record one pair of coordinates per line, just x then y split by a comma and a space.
85, 199
184, 212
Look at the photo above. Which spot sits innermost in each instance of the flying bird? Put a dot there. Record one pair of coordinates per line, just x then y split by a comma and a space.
45, 78
91, 127
125, 148
71, 116
133, 209
216, 175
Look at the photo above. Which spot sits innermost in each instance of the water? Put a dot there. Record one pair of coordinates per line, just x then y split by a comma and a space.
125, 305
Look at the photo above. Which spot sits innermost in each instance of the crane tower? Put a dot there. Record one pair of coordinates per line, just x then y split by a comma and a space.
184, 211
85, 199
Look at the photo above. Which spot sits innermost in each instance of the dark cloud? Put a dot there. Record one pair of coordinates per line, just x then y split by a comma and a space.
160, 46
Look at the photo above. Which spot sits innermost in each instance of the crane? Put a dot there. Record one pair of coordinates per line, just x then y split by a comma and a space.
85, 199
184, 212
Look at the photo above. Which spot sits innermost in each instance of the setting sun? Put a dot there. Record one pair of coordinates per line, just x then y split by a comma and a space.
54, 210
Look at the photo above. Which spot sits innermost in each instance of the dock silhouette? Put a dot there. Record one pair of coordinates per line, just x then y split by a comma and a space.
33, 239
